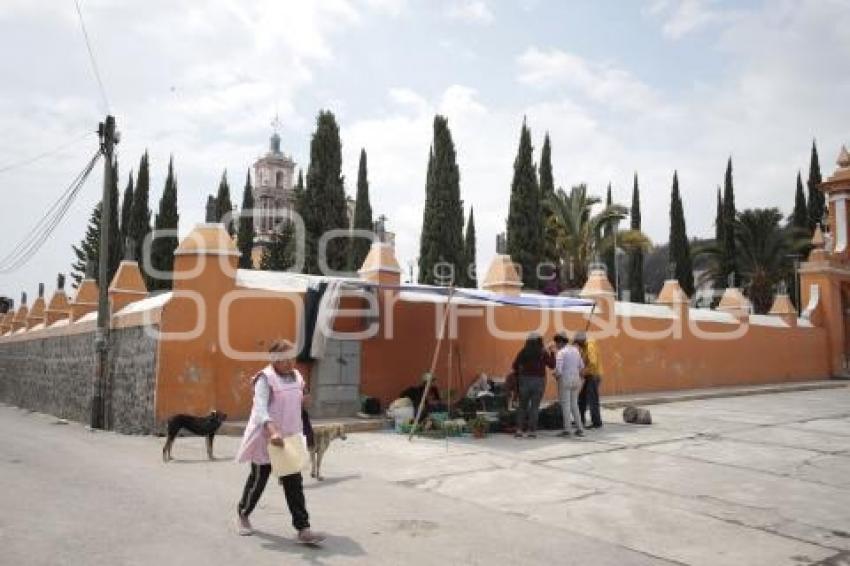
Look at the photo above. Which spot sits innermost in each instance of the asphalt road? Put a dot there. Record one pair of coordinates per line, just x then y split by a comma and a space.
759, 480
70, 496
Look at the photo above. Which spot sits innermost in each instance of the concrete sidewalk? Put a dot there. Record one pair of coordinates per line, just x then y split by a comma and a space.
357, 424
659, 397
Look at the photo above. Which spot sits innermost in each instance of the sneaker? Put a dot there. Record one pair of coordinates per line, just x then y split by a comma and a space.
243, 526
579, 432
306, 536
564, 433
518, 434
532, 435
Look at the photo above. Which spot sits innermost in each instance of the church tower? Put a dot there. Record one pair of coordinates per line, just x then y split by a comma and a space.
274, 175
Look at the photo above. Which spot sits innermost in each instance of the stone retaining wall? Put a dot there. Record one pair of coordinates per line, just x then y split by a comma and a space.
54, 375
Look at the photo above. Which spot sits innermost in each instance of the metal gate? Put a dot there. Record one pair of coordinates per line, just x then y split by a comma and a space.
335, 380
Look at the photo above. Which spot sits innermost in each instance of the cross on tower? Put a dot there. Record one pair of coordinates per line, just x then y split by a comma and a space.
381, 228
276, 123
501, 243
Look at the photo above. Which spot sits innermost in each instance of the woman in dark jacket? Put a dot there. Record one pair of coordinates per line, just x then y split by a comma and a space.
530, 367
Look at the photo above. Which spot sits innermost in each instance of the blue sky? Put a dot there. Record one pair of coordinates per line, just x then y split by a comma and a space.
652, 87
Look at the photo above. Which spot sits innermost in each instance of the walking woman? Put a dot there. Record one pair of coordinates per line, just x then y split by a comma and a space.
275, 417
530, 367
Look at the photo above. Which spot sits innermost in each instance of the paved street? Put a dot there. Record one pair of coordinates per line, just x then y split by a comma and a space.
746, 481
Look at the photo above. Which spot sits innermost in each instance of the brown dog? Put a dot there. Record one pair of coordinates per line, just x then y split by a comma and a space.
323, 435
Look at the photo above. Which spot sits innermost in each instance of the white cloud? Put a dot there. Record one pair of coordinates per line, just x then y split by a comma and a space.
392, 7
600, 82
198, 82
203, 82
470, 11
682, 17
406, 97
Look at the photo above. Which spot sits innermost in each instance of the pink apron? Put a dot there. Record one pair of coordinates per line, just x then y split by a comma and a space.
284, 410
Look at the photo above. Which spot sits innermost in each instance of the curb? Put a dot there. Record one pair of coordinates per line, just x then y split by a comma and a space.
237, 428
697, 395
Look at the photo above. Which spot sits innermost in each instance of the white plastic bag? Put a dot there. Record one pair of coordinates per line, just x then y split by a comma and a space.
290, 458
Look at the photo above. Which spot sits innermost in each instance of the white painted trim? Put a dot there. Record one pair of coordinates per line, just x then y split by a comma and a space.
208, 252
840, 203
814, 299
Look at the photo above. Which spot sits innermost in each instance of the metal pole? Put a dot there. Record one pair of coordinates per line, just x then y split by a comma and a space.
106, 130
430, 375
797, 284
616, 263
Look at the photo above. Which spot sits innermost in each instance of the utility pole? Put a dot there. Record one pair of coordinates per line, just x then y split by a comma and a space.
108, 140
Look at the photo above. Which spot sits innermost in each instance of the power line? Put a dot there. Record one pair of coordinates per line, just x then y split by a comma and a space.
41, 231
39, 234
91, 57
34, 158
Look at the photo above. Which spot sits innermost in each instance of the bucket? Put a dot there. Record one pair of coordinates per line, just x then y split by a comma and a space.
402, 415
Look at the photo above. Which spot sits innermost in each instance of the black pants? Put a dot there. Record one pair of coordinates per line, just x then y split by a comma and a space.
531, 388
588, 398
293, 489
308, 428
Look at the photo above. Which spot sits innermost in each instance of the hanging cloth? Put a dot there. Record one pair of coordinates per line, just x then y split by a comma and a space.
328, 305
312, 298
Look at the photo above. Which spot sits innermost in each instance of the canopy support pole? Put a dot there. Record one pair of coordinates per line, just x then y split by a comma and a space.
430, 376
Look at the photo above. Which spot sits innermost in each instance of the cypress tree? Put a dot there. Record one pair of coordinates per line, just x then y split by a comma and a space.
88, 249
800, 215
441, 242
223, 204
115, 247
817, 202
547, 192
245, 237
609, 257
362, 216
718, 220
298, 193
470, 274
126, 209
140, 213
324, 207
680, 247
164, 244
636, 289
277, 256
524, 238
728, 245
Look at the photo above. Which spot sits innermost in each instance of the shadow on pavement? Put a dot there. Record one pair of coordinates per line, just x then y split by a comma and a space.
329, 481
333, 545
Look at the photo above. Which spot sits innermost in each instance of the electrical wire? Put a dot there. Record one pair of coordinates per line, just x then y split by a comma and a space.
34, 158
31, 243
91, 57
26, 248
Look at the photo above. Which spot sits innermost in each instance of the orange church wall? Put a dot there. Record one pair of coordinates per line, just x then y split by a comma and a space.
198, 375
213, 370
765, 354
205, 371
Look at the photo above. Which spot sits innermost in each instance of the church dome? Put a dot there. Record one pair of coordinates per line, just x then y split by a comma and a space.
274, 145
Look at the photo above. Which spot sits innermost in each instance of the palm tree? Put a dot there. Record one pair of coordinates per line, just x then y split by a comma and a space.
580, 235
762, 250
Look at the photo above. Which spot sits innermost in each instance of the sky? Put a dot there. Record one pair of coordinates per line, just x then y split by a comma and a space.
622, 87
